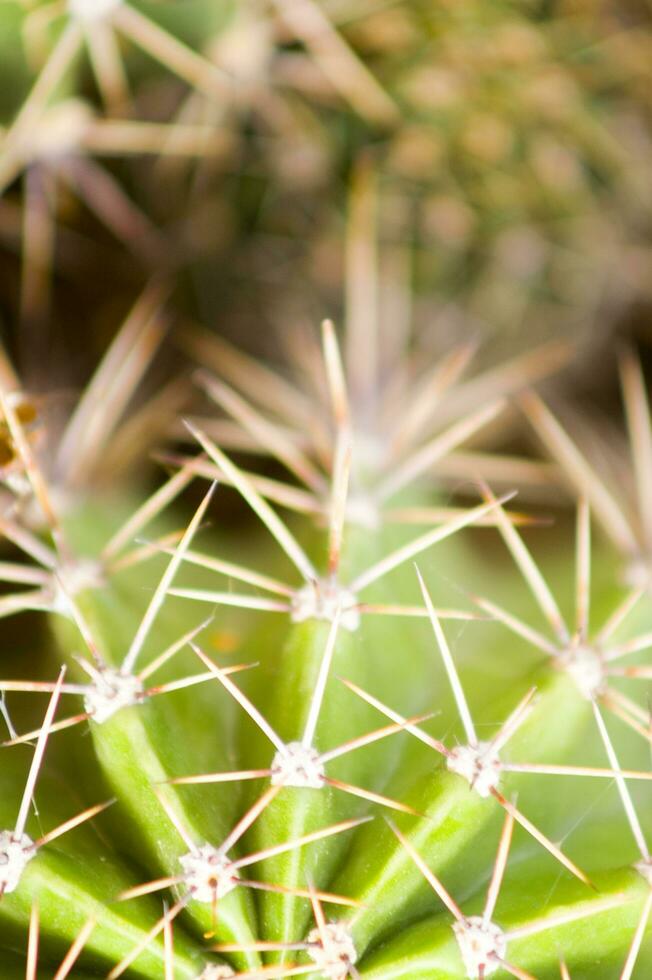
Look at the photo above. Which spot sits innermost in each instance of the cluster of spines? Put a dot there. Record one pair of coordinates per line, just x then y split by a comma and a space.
59, 140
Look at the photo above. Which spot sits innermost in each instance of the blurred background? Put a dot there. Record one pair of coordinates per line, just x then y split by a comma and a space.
461, 172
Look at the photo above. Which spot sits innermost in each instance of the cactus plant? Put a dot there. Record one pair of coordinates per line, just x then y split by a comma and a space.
514, 173
512, 142
342, 731
360, 769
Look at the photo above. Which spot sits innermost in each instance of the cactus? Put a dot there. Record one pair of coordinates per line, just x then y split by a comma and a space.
335, 810
515, 172
516, 110
323, 700
512, 142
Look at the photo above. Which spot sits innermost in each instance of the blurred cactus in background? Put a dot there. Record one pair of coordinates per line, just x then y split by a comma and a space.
291, 684
511, 139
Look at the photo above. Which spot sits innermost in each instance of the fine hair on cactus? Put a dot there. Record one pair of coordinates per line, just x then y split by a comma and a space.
325, 490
